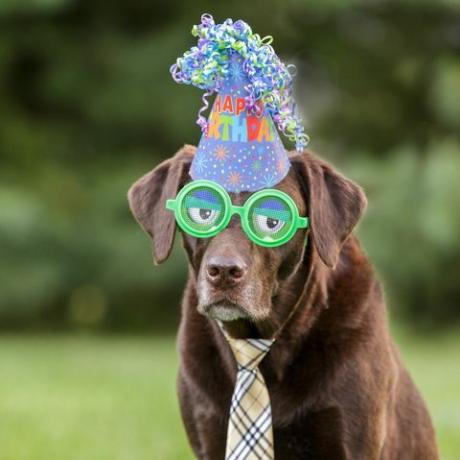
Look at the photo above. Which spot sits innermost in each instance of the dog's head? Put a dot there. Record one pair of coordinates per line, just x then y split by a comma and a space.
235, 278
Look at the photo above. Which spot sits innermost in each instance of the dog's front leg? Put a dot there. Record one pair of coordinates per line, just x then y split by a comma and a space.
206, 430
317, 435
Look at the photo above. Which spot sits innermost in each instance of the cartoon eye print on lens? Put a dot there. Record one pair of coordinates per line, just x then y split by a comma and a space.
270, 216
202, 208
267, 225
203, 216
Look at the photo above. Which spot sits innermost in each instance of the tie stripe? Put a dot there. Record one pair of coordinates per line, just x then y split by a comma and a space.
250, 435
253, 440
254, 425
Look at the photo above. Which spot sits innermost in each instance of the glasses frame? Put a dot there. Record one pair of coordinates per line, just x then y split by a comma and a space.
230, 210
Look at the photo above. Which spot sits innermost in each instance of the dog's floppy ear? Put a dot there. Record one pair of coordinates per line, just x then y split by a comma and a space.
335, 205
147, 198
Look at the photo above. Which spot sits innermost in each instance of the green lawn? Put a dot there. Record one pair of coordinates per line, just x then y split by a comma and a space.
89, 398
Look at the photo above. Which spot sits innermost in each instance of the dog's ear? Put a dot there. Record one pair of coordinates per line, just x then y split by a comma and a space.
335, 204
147, 199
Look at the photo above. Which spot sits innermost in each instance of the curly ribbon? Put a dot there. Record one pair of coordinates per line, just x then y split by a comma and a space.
206, 66
175, 73
292, 69
267, 40
207, 19
201, 120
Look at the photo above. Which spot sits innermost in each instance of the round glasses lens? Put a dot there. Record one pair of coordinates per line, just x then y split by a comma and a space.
202, 209
270, 218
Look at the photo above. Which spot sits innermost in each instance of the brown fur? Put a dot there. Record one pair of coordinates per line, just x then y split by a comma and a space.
336, 382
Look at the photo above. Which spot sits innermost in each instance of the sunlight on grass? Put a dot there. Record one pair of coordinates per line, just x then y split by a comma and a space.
89, 398
115, 398
434, 365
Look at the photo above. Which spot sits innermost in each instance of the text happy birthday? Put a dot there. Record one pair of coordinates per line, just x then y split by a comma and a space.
226, 124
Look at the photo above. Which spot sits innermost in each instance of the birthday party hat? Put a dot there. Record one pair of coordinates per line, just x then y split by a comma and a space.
240, 147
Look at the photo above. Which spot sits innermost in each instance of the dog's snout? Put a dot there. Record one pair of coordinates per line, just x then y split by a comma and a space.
225, 270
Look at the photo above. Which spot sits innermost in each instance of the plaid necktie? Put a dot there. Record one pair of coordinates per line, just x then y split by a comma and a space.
249, 434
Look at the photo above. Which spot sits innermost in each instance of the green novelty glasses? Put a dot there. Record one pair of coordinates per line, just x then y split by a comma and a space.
269, 217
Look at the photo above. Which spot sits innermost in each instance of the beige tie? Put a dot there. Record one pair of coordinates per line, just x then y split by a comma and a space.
250, 434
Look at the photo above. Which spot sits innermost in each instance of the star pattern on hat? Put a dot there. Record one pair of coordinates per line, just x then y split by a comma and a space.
234, 178
280, 165
201, 163
256, 165
268, 179
221, 152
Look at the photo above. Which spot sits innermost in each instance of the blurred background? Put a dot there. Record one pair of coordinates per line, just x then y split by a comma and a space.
87, 105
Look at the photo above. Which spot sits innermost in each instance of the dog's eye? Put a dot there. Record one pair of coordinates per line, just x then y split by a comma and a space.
203, 216
268, 225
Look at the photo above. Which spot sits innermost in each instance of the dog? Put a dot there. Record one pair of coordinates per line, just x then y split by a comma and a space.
337, 385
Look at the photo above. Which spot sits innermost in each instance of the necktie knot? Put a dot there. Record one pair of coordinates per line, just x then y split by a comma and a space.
249, 352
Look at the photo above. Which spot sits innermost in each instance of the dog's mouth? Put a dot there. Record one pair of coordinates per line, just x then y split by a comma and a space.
224, 311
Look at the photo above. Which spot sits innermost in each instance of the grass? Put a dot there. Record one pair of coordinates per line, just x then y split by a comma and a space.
434, 364
69, 398
95, 398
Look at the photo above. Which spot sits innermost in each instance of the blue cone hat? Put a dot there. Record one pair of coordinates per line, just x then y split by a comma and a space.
239, 150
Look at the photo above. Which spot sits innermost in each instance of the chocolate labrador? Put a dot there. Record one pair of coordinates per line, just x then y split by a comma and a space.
337, 385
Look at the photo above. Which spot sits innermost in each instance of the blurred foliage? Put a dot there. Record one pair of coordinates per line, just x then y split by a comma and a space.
412, 230
87, 105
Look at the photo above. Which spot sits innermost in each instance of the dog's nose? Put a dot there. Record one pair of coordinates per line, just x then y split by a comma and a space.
225, 270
